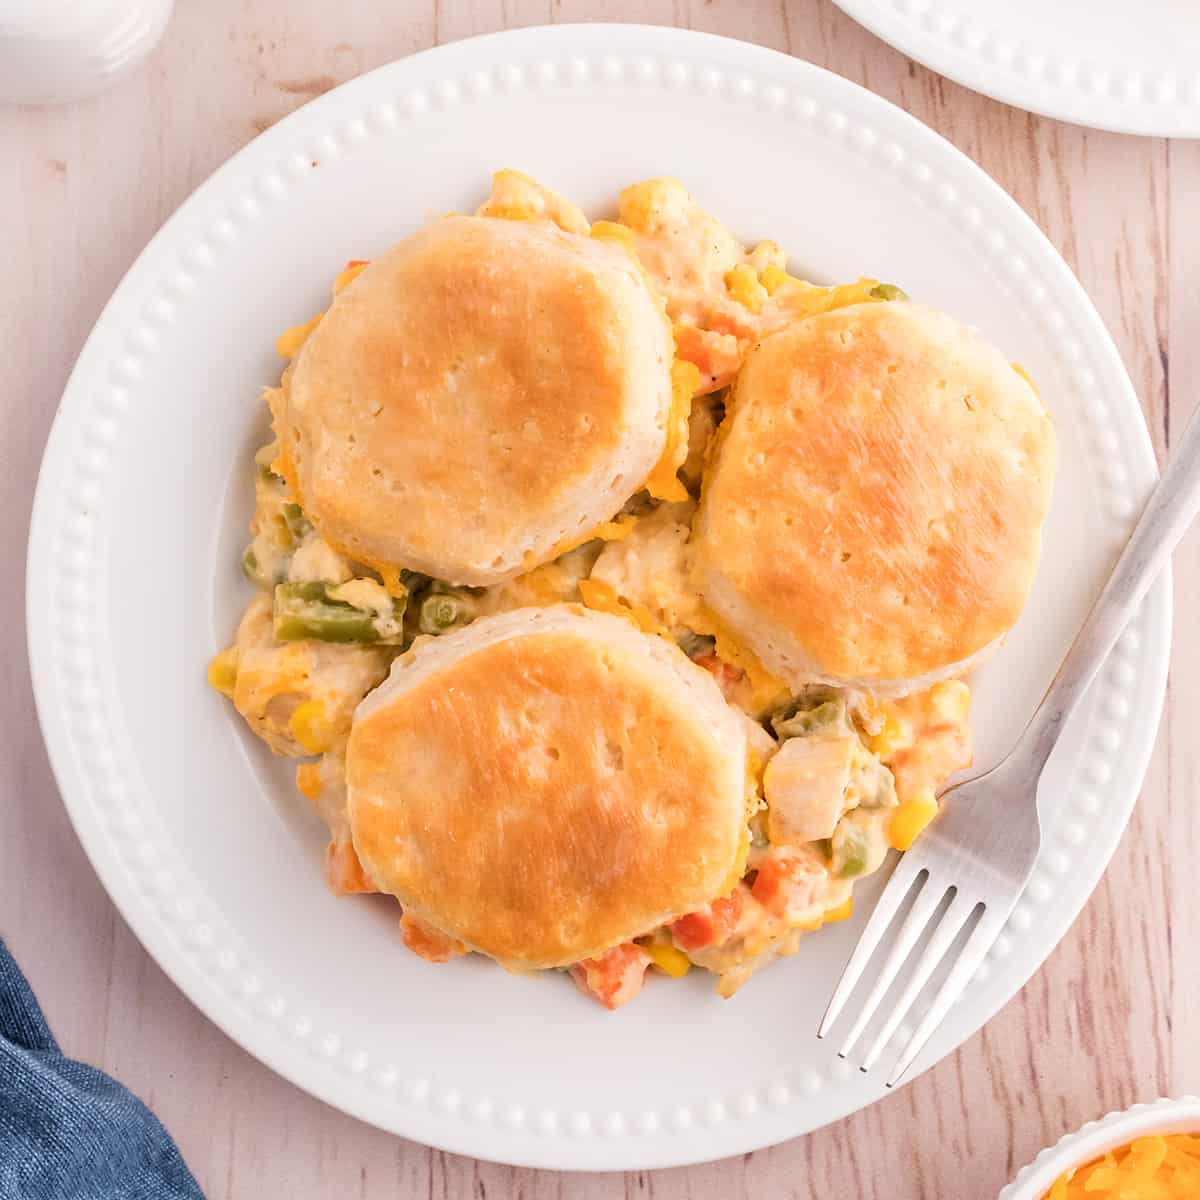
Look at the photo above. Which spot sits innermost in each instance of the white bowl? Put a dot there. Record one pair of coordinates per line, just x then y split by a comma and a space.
55, 51
1096, 1137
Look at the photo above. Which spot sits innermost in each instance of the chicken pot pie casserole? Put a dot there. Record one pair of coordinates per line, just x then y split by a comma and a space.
614, 586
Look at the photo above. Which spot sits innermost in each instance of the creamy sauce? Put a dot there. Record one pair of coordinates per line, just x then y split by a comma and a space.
315, 560
720, 296
652, 566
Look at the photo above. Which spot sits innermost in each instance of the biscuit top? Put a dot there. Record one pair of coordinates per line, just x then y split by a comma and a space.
483, 391
874, 511
548, 783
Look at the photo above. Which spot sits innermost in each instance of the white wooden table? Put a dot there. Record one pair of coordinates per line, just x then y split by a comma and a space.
1112, 1018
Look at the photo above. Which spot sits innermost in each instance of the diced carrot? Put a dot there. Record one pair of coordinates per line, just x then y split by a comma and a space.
726, 674
614, 978
343, 871
308, 780
429, 943
710, 925
786, 881
716, 355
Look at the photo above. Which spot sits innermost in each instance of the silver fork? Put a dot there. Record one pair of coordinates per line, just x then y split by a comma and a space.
974, 861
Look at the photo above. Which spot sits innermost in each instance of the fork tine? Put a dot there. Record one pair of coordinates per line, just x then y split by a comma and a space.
928, 898
945, 931
889, 903
978, 944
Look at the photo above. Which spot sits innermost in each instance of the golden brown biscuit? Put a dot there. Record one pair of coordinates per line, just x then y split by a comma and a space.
873, 515
481, 393
548, 783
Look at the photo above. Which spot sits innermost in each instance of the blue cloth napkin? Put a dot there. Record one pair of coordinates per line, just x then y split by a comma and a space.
68, 1131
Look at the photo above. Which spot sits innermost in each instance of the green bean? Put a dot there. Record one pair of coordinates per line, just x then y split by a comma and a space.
887, 291
253, 571
297, 523
851, 850
814, 710
305, 610
442, 611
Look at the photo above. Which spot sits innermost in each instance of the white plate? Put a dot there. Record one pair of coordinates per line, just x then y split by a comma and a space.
141, 514
1131, 68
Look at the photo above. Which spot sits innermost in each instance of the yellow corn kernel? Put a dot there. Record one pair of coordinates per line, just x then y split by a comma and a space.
309, 726
910, 818
642, 205
613, 231
767, 254
668, 960
950, 699
518, 197
773, 278
288, 343
308, 781
222, 671
843, 912
745, 288
893, 735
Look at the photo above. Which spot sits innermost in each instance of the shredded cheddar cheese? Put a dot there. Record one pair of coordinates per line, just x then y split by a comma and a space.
766, 689
802, 300
288, 343
222, 671
1024, 374
616, 530
308, 780
354, 268
664, 483
1148, 1168
602, 597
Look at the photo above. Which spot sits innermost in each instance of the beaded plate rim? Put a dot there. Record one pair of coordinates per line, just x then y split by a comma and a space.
146, 877
1009, 66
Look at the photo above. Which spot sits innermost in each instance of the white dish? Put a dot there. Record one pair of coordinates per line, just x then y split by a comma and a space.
1131, 68
1096, 1137
55, 51
141, 515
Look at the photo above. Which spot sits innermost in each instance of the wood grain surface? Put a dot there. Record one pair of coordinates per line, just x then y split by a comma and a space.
1114, 1015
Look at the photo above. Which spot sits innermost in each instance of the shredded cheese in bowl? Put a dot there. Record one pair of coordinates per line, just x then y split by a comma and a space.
1148, 1168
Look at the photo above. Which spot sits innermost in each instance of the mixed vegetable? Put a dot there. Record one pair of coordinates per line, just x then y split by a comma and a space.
835, 777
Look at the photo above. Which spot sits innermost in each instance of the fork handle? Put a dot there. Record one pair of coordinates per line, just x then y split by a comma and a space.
1169, 511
